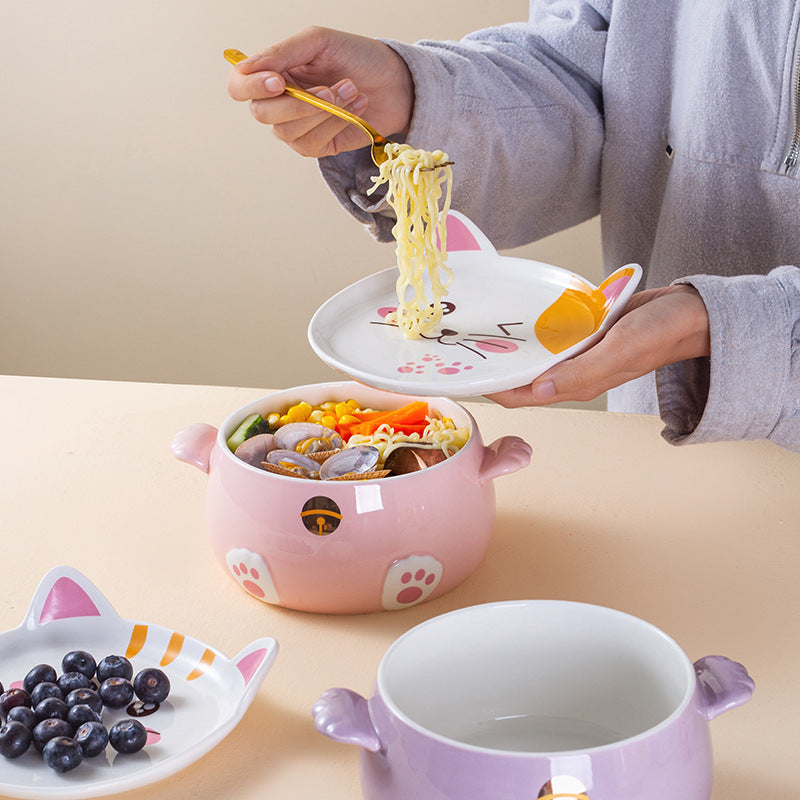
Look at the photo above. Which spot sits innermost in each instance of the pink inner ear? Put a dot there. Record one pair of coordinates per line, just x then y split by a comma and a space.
614, 289
459, 236
66, 600
250, 663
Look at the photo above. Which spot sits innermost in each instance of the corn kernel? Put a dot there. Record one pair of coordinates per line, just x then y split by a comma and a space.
353, 405
342, 409
316, 415
348, 419
273, 420
329, 421
285, 419
328, 405
299, 412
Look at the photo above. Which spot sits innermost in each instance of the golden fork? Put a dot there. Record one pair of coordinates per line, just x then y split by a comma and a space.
379, 142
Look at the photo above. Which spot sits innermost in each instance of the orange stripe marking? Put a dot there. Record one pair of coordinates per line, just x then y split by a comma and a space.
205, 663
173, 648
138, 637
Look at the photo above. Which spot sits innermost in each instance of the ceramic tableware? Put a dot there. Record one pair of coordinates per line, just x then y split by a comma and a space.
506, 321
209, 692
349, 546
536, 698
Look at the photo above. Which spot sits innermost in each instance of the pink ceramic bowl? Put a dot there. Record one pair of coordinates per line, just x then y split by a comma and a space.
344, 547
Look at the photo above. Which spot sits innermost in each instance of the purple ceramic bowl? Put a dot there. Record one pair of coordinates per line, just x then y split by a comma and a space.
536, 699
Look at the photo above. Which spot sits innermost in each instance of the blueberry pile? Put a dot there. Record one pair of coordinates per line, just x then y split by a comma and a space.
61, 715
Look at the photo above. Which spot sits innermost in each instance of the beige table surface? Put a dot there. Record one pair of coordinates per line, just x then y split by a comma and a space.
703, 542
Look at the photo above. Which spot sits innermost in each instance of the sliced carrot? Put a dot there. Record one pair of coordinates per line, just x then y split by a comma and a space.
412, 414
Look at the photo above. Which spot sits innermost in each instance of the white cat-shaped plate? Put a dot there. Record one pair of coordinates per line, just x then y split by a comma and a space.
209, 692
507, 320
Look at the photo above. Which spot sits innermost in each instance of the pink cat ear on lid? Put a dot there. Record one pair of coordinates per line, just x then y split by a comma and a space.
65, 600
250, 664
64, 593
459, 236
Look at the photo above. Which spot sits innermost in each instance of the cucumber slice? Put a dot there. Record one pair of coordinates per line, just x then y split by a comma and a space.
250, 426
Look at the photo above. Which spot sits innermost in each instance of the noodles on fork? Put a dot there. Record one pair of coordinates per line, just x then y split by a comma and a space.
417, 181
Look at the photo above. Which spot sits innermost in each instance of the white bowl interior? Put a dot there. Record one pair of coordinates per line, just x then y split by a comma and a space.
535, 676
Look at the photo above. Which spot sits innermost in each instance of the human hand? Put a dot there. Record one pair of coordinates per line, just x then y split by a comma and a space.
356, 72
658, 327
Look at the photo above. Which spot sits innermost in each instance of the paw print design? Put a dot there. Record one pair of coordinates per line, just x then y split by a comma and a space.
252, 574
432, 361
410, 581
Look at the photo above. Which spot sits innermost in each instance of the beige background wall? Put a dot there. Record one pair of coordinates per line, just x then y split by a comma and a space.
151, 229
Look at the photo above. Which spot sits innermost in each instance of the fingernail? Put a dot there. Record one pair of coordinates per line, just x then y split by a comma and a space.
273, 84
359, 104
544, 391
347, 91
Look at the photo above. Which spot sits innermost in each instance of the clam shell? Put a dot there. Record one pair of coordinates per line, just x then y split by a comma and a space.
359, 459
278, 470
322, 455
362, 476
293, 462
254, 450
289, 436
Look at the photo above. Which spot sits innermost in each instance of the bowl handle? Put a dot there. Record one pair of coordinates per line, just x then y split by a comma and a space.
503, 456
343, 715
723, 684
193, 445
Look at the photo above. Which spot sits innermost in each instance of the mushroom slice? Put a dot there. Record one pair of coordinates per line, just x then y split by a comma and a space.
407, 458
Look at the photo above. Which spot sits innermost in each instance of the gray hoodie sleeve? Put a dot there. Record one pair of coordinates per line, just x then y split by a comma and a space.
750, 387
511, 105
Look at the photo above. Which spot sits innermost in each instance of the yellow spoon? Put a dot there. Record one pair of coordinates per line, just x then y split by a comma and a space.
379, 141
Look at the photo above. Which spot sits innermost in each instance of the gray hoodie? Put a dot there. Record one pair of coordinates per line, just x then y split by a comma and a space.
679, 123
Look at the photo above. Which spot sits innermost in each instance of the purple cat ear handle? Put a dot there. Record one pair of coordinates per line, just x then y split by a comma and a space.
343, 715
723, 685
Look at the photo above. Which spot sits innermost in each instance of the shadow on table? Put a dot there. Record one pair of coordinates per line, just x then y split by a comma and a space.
730, 784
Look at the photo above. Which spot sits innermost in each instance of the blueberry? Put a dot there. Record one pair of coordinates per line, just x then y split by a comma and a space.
13, 698
51, 708
44, 690
62, 754
127, 736
70, 681
81, 713
87, 697
114, 667
151, 685
116, 692
24, 715
79, 661
38, 674
92, 737
15, 739
48, 729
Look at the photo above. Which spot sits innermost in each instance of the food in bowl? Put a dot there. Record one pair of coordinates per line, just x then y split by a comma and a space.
339, 440
350, 546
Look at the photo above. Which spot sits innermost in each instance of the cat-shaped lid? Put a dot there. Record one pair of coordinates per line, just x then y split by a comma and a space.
506, 320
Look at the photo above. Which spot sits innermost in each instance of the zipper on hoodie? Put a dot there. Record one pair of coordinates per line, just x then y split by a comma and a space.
793, 152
